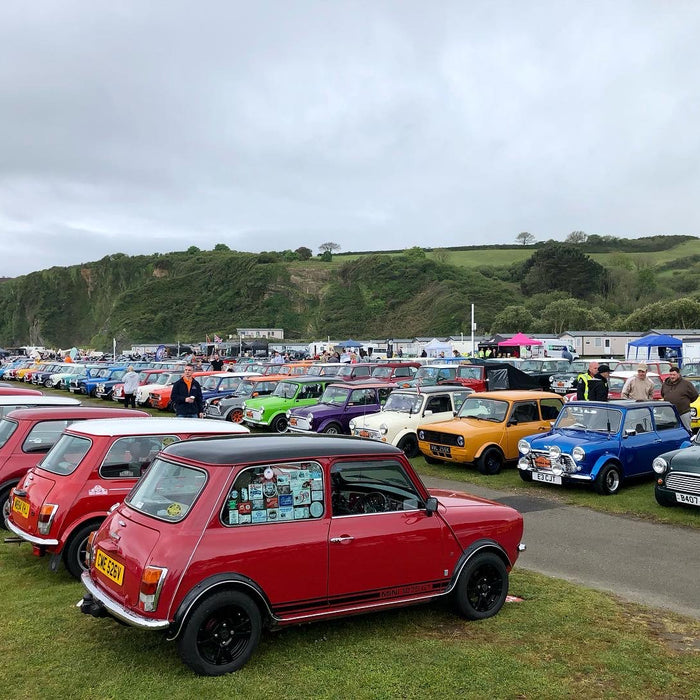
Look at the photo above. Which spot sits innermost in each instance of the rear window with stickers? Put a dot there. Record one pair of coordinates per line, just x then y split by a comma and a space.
275, 492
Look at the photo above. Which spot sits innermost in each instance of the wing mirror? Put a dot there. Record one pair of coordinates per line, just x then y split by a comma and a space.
431, 505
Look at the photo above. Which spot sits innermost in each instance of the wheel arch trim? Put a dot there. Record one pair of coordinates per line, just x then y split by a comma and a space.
217, 583
475, 548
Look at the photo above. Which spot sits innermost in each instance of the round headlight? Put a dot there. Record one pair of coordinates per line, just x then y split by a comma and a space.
578, 453
243, 406
523, 447
460, 441
557, 470
421, 435
383, 429
551, 379
554, 453
288, 413
659, 465
310, 417
351, 425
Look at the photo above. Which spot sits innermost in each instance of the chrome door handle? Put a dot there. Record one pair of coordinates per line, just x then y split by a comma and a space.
342, 538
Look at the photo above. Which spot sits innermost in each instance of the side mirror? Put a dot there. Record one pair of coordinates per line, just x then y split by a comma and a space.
629, 432
431, 505
427, 412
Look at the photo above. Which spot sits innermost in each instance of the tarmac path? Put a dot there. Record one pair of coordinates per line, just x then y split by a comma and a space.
649, 563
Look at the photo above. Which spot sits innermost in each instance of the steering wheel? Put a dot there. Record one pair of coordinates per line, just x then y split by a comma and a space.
374, 502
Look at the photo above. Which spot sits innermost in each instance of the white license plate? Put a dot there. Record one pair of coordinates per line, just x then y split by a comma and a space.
546, 478
688, 499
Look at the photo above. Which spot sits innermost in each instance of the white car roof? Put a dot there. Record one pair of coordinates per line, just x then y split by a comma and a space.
154, 426
36, 400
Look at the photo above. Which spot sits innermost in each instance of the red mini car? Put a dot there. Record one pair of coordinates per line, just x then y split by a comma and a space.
19, 391
92, 466
222, 537
27, 434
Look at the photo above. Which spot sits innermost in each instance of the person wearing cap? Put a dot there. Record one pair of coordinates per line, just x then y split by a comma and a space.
598, 390
638, 387
680, 392
585, 380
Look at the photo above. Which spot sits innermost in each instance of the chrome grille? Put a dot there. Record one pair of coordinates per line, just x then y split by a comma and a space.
440, 438
687, 483
565, 460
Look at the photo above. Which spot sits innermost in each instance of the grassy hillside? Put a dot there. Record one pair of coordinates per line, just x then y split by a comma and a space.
183, 296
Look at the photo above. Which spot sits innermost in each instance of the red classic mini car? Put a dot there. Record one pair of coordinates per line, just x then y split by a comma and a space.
222, 537
92, 466
27, 434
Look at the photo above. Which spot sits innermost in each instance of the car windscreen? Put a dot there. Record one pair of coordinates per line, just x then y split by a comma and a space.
286, 390
7, 427
469, 372
381, 372
167, 491
484, 409
335, 395
589, 418
403, 403
65, 456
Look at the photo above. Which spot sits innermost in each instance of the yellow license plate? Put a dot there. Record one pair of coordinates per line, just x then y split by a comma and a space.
110, 568
21, 507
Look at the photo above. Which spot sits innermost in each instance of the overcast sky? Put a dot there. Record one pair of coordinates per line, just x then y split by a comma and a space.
141, 126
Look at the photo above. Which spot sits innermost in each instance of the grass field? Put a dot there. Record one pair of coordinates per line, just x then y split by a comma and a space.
502, 257
560, 641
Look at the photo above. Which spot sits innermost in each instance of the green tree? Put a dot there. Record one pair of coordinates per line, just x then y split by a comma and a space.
559, 266
513, 319
576, 238
221, 246
303, 252
193, 249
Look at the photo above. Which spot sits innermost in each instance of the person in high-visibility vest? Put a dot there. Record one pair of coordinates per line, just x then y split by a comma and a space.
584, 379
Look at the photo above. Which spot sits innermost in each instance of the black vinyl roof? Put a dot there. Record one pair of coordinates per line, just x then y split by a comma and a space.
272, 447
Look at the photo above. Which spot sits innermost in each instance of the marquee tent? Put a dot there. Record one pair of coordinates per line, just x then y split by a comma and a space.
672, 347
350, 343
519, 339
435, 347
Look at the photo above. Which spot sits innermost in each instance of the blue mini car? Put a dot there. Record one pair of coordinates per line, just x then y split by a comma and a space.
602, 443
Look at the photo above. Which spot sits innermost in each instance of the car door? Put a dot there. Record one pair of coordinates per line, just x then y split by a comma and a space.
382, 543
524, 419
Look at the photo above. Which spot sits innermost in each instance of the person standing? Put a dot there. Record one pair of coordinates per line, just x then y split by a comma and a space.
598, 390
131, 384
216, 362
566, 354
186, 396
680, 392
585, 380
639, 387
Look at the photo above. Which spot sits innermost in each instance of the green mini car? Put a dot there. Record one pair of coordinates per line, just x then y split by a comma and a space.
269, 412
678, 476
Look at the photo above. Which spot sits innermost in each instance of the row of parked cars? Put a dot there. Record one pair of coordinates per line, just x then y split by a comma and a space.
176, 525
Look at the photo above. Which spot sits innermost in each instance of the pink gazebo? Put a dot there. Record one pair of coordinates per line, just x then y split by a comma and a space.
518, 340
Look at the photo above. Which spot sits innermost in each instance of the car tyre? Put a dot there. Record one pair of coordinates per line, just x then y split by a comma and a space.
332, 429
5, 504
525, 475
76, 548
663, 499
279, 425
482, 587
609, 480
221, 634
432, 460
409, 444
490, 461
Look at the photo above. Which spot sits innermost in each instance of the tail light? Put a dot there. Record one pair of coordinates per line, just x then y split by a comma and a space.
46, 515
89, 550
152, 581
